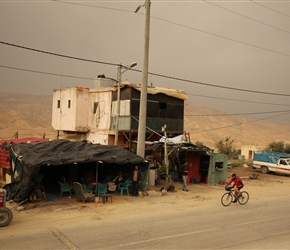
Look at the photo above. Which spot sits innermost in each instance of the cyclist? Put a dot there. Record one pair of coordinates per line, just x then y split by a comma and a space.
238, 185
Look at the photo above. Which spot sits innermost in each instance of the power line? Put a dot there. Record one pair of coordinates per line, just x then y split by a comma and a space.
87, 78
241, 123
252, 19
57, 54
94, 6
153, 74
47, 73
227, 38
188, 27
219, 86
238, 100
269, 8
256, 113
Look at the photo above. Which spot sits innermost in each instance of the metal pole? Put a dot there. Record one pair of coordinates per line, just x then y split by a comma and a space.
118, 105
130, 141
97, 173
165, 160
143, 95
165, 151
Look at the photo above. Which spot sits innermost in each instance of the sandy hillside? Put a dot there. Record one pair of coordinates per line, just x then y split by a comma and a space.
208, 125
31, 116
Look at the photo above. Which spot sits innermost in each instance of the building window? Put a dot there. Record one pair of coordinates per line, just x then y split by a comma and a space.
68, 104
219, 165
162, 105
95, 107
58, 104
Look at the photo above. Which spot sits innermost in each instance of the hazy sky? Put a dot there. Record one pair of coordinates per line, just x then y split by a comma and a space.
203, 45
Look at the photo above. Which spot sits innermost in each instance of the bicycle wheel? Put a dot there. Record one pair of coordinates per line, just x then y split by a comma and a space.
244, 198
227, 199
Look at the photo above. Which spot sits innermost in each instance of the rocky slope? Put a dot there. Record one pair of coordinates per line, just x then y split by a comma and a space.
208, 125
30, 116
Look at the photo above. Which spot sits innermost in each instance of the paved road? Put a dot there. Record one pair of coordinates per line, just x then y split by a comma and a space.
260, 224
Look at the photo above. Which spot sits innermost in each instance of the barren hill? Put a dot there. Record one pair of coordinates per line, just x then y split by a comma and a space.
30, 116
208, 125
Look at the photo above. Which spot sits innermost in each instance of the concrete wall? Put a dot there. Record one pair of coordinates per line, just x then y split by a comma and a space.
218, 168
248, 151
70, 109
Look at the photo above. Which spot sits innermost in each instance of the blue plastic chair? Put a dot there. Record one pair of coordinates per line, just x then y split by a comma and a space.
81, 195
87, 189
123, 186
101, 189
64, 188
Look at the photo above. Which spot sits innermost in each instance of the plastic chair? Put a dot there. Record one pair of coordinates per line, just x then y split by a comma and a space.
64, 188
123, 186
87, 189
101, 189
81, 195
63, 180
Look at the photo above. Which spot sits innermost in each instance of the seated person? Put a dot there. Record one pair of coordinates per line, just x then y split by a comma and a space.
88, 179
112, 185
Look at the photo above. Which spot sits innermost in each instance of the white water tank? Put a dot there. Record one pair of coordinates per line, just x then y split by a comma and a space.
103, 82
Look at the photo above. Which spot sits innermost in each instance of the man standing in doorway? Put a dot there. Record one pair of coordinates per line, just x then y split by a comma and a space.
184, 176
136, 180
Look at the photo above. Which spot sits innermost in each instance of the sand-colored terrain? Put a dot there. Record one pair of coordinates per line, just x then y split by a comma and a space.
30, 116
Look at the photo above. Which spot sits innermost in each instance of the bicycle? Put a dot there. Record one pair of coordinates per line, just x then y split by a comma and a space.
229, 197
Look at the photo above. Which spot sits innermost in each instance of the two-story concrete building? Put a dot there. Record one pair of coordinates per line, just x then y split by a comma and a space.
82, 113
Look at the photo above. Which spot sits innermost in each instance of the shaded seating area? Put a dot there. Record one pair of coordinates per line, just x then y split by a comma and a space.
64, 188
81, 158
81, 195
101, 189
123, 186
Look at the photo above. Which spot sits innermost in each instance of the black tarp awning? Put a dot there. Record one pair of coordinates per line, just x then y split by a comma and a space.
63, 152
31, 156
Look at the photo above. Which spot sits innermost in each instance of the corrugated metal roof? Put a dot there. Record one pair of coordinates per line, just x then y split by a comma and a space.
177, 93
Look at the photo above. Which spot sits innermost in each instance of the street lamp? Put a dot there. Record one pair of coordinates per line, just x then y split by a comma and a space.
143, 95
120, 72
165, 148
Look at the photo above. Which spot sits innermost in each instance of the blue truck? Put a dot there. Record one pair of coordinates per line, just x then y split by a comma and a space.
272, 162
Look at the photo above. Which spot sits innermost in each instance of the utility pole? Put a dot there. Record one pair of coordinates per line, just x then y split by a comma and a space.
118, 104
143, 95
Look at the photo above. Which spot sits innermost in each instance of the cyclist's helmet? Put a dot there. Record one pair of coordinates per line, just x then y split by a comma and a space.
228, 188
234, 175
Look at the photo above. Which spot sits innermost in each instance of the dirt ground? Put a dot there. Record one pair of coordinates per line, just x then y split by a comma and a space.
49, 213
